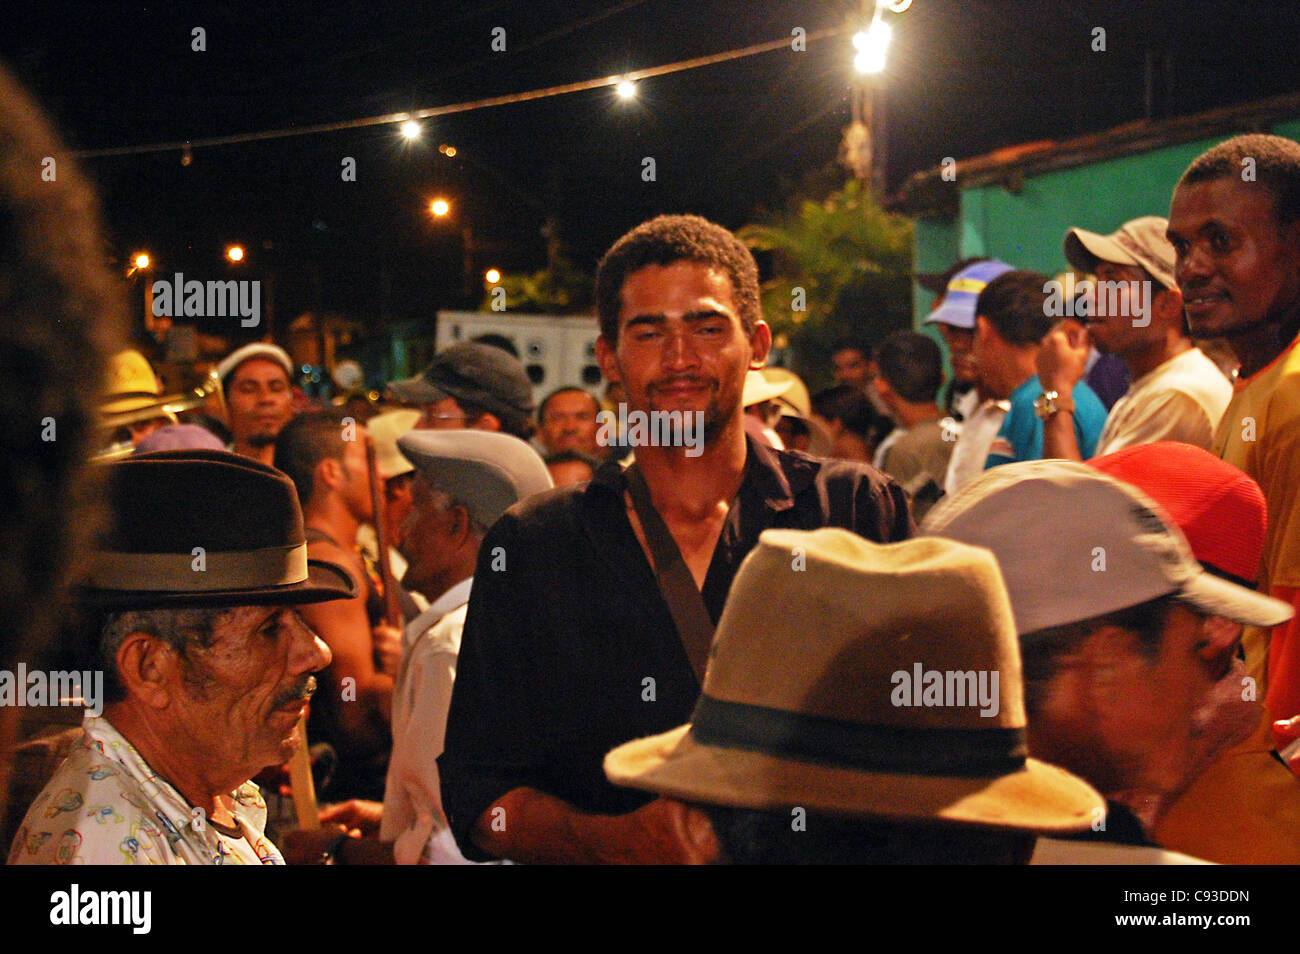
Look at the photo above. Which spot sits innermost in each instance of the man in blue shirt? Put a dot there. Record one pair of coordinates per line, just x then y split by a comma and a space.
1012, 318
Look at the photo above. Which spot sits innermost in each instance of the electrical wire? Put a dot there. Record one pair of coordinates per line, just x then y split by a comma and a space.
430, 112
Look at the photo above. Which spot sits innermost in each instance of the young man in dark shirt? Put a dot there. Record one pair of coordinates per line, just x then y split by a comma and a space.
570, 645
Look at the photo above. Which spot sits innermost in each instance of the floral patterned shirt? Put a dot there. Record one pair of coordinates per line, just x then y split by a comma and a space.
105, 806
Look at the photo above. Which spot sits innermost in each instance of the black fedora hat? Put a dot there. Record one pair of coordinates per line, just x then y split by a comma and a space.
205, 529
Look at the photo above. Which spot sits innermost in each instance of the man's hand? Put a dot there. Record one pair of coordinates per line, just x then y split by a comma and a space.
666, 832
536, 828
388, 648
1063, 357
308, 847
357, 814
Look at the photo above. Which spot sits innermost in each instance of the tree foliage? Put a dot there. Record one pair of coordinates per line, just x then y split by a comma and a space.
559, 290
853, 262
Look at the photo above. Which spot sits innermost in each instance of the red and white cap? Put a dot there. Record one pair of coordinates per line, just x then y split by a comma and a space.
1074, 544
1219, 508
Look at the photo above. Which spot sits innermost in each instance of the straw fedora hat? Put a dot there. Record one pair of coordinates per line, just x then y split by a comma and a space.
130, 384
795, 402
808, 700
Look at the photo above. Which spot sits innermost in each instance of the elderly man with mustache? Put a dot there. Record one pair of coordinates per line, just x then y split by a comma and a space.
208, 668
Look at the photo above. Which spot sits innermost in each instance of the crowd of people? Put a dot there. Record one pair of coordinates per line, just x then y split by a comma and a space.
1039, 607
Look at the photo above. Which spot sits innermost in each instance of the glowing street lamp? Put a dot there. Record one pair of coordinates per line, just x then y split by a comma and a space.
626, 89
439, 207
492, 275
139, 262
410, 130
235, 253
871, 47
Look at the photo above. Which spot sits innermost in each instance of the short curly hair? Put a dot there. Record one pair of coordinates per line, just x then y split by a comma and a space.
1276, 168
675, 238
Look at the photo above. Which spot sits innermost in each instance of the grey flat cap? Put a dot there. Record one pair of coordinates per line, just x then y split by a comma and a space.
486, 471
472, 373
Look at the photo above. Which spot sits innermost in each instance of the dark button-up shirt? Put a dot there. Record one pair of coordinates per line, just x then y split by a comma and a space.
569, 647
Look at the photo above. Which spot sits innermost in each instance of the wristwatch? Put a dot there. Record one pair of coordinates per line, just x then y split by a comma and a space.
1049, 402
333, 852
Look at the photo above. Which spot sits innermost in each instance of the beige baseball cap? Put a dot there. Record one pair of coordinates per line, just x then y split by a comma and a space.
1074, 544
384, 430
1138, 242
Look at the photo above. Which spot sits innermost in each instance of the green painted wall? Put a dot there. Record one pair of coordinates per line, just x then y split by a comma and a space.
1026, 229
1290, 130
936, 247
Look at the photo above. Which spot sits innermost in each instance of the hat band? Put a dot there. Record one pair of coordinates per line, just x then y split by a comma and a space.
130, 396
200, 571
972, 753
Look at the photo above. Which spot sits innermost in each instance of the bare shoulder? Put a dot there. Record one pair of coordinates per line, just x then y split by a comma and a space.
331, 552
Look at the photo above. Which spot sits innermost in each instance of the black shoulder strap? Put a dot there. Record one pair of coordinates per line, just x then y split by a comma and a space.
694, 627
315, 536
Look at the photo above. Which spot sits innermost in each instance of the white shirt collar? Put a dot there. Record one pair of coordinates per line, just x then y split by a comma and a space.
454, 598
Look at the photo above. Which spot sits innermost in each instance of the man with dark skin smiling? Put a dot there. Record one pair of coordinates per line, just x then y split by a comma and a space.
1235, 227
549, 680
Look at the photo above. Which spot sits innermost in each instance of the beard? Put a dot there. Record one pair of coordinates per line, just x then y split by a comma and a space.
715, 419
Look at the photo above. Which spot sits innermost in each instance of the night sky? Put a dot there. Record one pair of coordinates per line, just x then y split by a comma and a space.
730, 141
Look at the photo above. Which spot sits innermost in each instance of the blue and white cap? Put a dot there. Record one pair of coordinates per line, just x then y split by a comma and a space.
958, 308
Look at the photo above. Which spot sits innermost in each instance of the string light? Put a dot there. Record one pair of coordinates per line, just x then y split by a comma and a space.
408, 117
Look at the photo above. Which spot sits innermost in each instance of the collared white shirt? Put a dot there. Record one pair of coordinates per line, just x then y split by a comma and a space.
413, 818
106, 806
972, 448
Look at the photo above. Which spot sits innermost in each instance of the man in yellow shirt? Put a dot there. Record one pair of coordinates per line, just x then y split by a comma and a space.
1235, 226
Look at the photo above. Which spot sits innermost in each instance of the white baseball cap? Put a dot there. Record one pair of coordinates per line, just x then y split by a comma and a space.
1139, 242
258, 349
1074, 544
